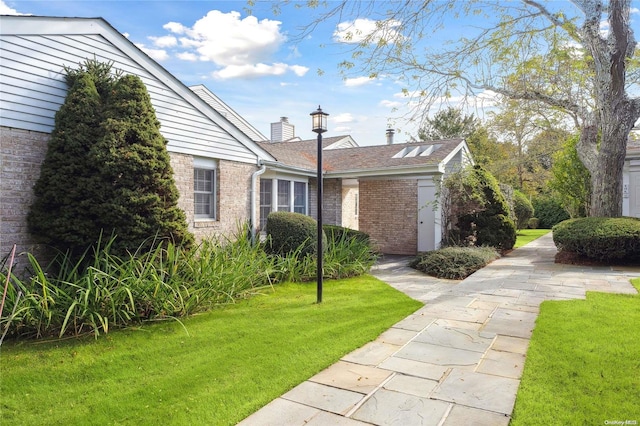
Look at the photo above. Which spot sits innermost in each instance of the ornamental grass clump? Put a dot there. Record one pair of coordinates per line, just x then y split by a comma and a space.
73, 297
455, 263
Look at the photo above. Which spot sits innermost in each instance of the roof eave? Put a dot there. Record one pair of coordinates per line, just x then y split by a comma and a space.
414, 170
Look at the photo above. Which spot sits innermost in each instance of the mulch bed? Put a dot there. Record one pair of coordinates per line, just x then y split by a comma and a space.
570, 258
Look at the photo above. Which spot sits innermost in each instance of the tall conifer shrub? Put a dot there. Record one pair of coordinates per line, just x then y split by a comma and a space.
107, 169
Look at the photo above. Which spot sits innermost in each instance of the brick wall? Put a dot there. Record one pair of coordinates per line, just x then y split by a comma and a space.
21, 155
389, 214
331, 201
233, 202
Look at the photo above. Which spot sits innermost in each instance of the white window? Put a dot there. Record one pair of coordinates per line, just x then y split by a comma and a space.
282, 195
204, 188
300, 197
266, 200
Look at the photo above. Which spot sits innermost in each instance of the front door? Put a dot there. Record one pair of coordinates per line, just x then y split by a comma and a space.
429, 232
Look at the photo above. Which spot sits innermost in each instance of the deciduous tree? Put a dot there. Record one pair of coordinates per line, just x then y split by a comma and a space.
546, 52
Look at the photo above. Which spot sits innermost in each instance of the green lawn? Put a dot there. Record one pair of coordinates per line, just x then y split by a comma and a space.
232, 361
525, 236
583, 363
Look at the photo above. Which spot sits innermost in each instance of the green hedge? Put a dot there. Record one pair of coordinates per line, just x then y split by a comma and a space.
455, 262
600, 238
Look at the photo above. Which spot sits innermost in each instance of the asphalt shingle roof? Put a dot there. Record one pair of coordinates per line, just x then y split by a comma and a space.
303, 154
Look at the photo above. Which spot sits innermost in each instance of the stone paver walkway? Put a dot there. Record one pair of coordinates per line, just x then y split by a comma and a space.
457, 360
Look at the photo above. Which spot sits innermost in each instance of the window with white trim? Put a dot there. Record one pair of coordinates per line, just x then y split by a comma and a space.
300, 197
282, 195
266, 200
204, 189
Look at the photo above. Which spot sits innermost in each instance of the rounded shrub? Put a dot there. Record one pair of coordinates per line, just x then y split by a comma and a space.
455, 263
523, 209
600, 238
288, 232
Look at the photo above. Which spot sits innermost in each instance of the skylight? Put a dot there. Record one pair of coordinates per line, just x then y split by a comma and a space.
415, 151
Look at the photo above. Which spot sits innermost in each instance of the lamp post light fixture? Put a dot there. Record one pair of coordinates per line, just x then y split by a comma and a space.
319, 125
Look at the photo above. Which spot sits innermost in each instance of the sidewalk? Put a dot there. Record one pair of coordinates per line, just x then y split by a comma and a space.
457, 360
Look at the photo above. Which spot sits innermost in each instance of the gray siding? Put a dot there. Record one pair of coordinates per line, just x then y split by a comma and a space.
32, 86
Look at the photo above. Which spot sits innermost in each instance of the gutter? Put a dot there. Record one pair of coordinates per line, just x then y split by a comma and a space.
254, 182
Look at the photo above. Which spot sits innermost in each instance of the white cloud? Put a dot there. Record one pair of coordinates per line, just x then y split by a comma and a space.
241, 47
363, 29
257, 70
175, 27
634, 10
6, 10
390, 104
342, 129
156, 54
345, 117
187, 56
358, 81
165, 41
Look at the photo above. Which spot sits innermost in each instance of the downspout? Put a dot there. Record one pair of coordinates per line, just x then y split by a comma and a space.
254, 182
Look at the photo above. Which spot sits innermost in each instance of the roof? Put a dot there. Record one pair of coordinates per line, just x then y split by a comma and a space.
226, 111
44, 45
400, 158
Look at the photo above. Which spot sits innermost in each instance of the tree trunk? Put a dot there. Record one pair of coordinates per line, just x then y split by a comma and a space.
614, 114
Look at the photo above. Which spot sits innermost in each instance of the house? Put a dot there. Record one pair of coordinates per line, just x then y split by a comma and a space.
631, 180
387, 191
205, 143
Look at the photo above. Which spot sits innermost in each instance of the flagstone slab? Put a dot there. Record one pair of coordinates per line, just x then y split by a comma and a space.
324, 418
455, 338
411, 385
458, 324
477, 390
281, 412
397, 336
439, 355
505, 364
457, 313
416, 322
327, 398
373, 353
354, 377
395, 408
414, 368
461, 415
510, 344
508, 327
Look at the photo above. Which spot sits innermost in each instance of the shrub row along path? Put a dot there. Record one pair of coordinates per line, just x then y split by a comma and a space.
457, 359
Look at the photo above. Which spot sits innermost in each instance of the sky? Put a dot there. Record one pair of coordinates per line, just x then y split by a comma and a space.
257, 61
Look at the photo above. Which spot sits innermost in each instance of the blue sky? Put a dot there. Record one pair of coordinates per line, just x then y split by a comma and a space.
254, 62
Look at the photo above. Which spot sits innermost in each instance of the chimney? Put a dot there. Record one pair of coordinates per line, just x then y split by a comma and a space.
282, 130
390, 133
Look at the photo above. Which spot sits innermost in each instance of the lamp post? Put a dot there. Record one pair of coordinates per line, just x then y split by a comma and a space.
319, 125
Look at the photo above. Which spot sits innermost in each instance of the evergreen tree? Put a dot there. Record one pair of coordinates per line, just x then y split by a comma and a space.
107, 169
142, 198
61, 214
